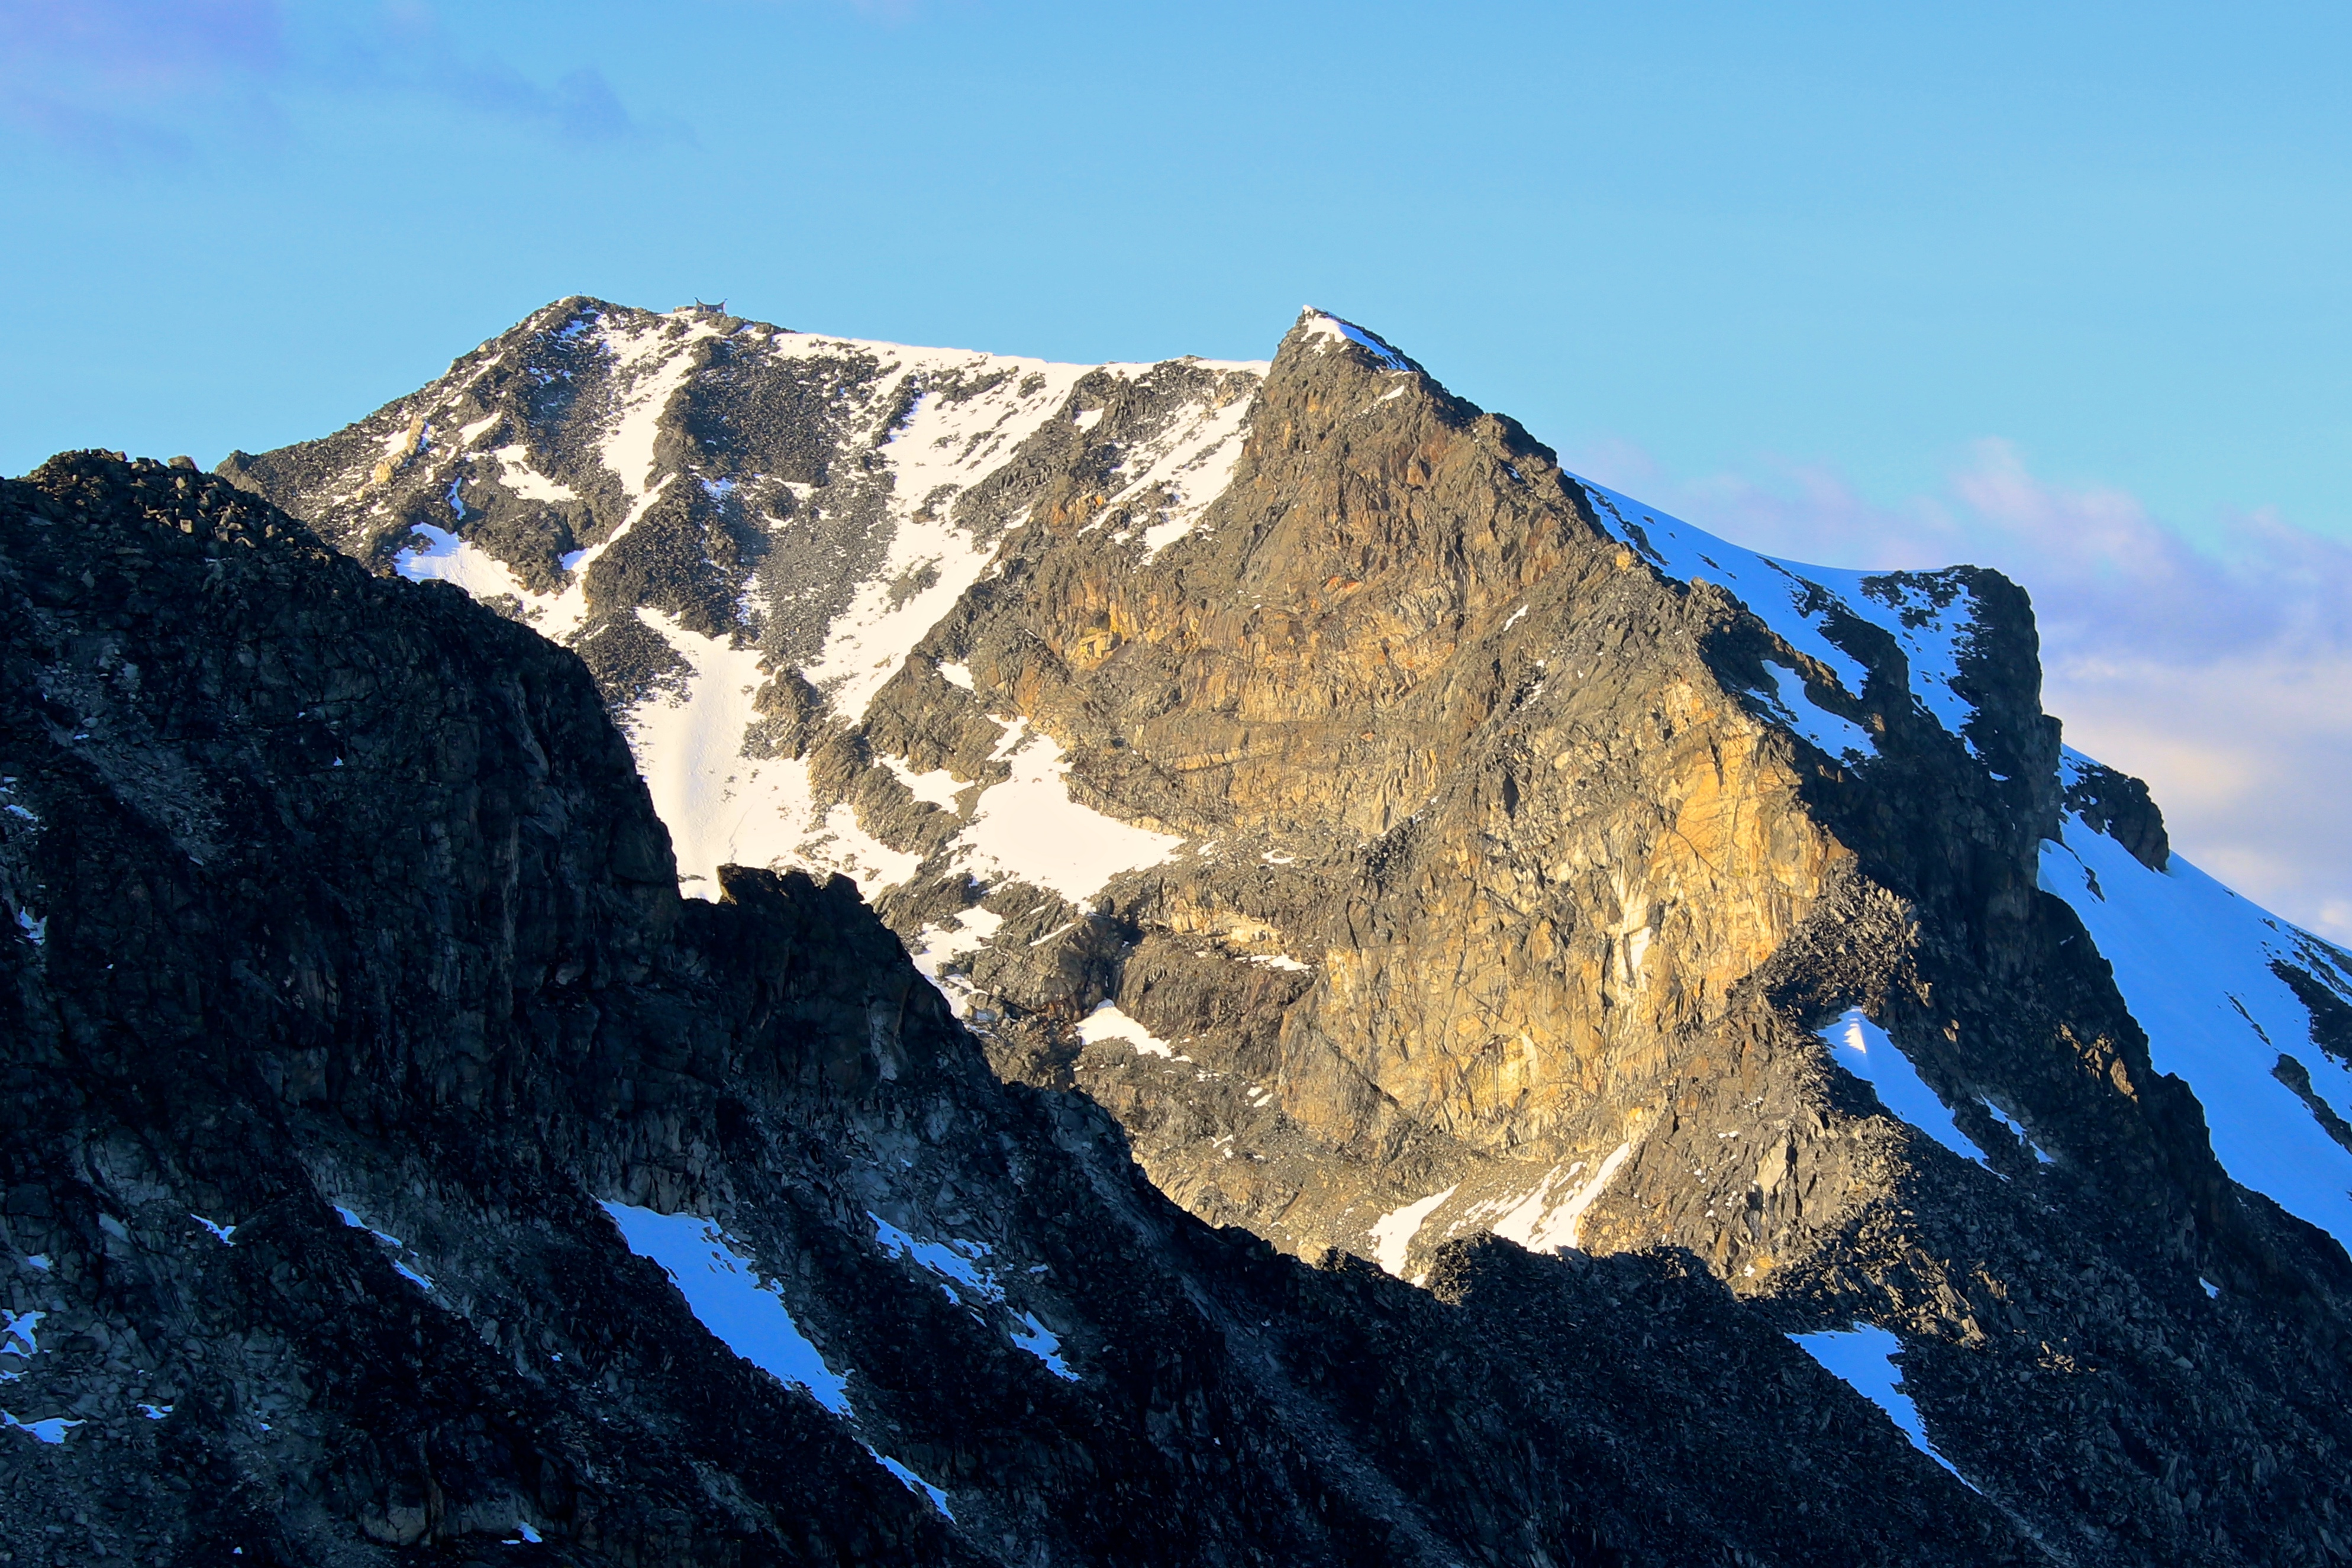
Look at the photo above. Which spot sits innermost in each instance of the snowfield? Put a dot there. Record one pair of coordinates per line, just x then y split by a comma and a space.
2193, 961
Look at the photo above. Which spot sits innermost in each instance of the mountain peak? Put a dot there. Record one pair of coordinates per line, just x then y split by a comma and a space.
1319, 326
1408, 843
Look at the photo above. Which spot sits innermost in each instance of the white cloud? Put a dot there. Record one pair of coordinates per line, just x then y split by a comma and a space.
2221, 676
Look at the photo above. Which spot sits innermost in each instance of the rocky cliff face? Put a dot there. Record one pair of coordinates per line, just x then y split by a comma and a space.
1408, 841
398, 1170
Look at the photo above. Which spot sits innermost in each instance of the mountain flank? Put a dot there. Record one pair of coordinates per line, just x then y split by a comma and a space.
371, 1084
1566, 1023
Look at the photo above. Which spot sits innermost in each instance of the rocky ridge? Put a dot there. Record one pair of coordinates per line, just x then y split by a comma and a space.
1408, 840
398, 1170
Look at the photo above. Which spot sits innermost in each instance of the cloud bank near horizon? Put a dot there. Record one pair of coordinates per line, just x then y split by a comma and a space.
148, 80
2222, 676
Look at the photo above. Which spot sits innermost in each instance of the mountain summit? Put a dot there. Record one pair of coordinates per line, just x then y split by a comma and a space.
1608, 961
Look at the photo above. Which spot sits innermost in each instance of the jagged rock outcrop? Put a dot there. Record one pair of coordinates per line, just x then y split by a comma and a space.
1405, 840
358, 1044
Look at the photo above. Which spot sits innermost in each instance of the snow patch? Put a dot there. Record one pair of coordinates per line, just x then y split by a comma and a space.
1029, 827
409, 1274
955, 674
936, 947
1838, 736
1107, 1023
916, 1484
224, 1234
1862, 1048
456, 560
1863, 1357
837, 843
652, 365
2015, 1126
18, 1331
722, 807
943, 448
938, 786
725, 1297
1322, 326
52, 1430
1190, 464
1542, 1223
1393, 1231
966, 1281
1028, 1334
517, 474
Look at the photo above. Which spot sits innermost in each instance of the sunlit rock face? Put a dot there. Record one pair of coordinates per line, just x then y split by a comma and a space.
397, 1169
1405, 840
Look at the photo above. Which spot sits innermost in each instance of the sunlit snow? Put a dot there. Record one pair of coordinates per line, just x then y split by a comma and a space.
650, 362
515, 472
943, 448
938, 786
1552, 1217
455, 560
1321, 325
1192, 463
1029, 827
721, 806
936, 947
1393, 1231
1107, 1023
966, 415
1796, 602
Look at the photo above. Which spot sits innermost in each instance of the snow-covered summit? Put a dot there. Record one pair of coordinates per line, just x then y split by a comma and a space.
1322, 327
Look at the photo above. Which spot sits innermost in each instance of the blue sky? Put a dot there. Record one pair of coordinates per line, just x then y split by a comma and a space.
2055, 287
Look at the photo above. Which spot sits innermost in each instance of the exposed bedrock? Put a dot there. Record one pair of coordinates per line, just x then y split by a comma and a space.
363, 1063
1406, 840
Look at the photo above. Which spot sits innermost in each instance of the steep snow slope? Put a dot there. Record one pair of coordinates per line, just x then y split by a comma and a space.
2206, 973
1931, 616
